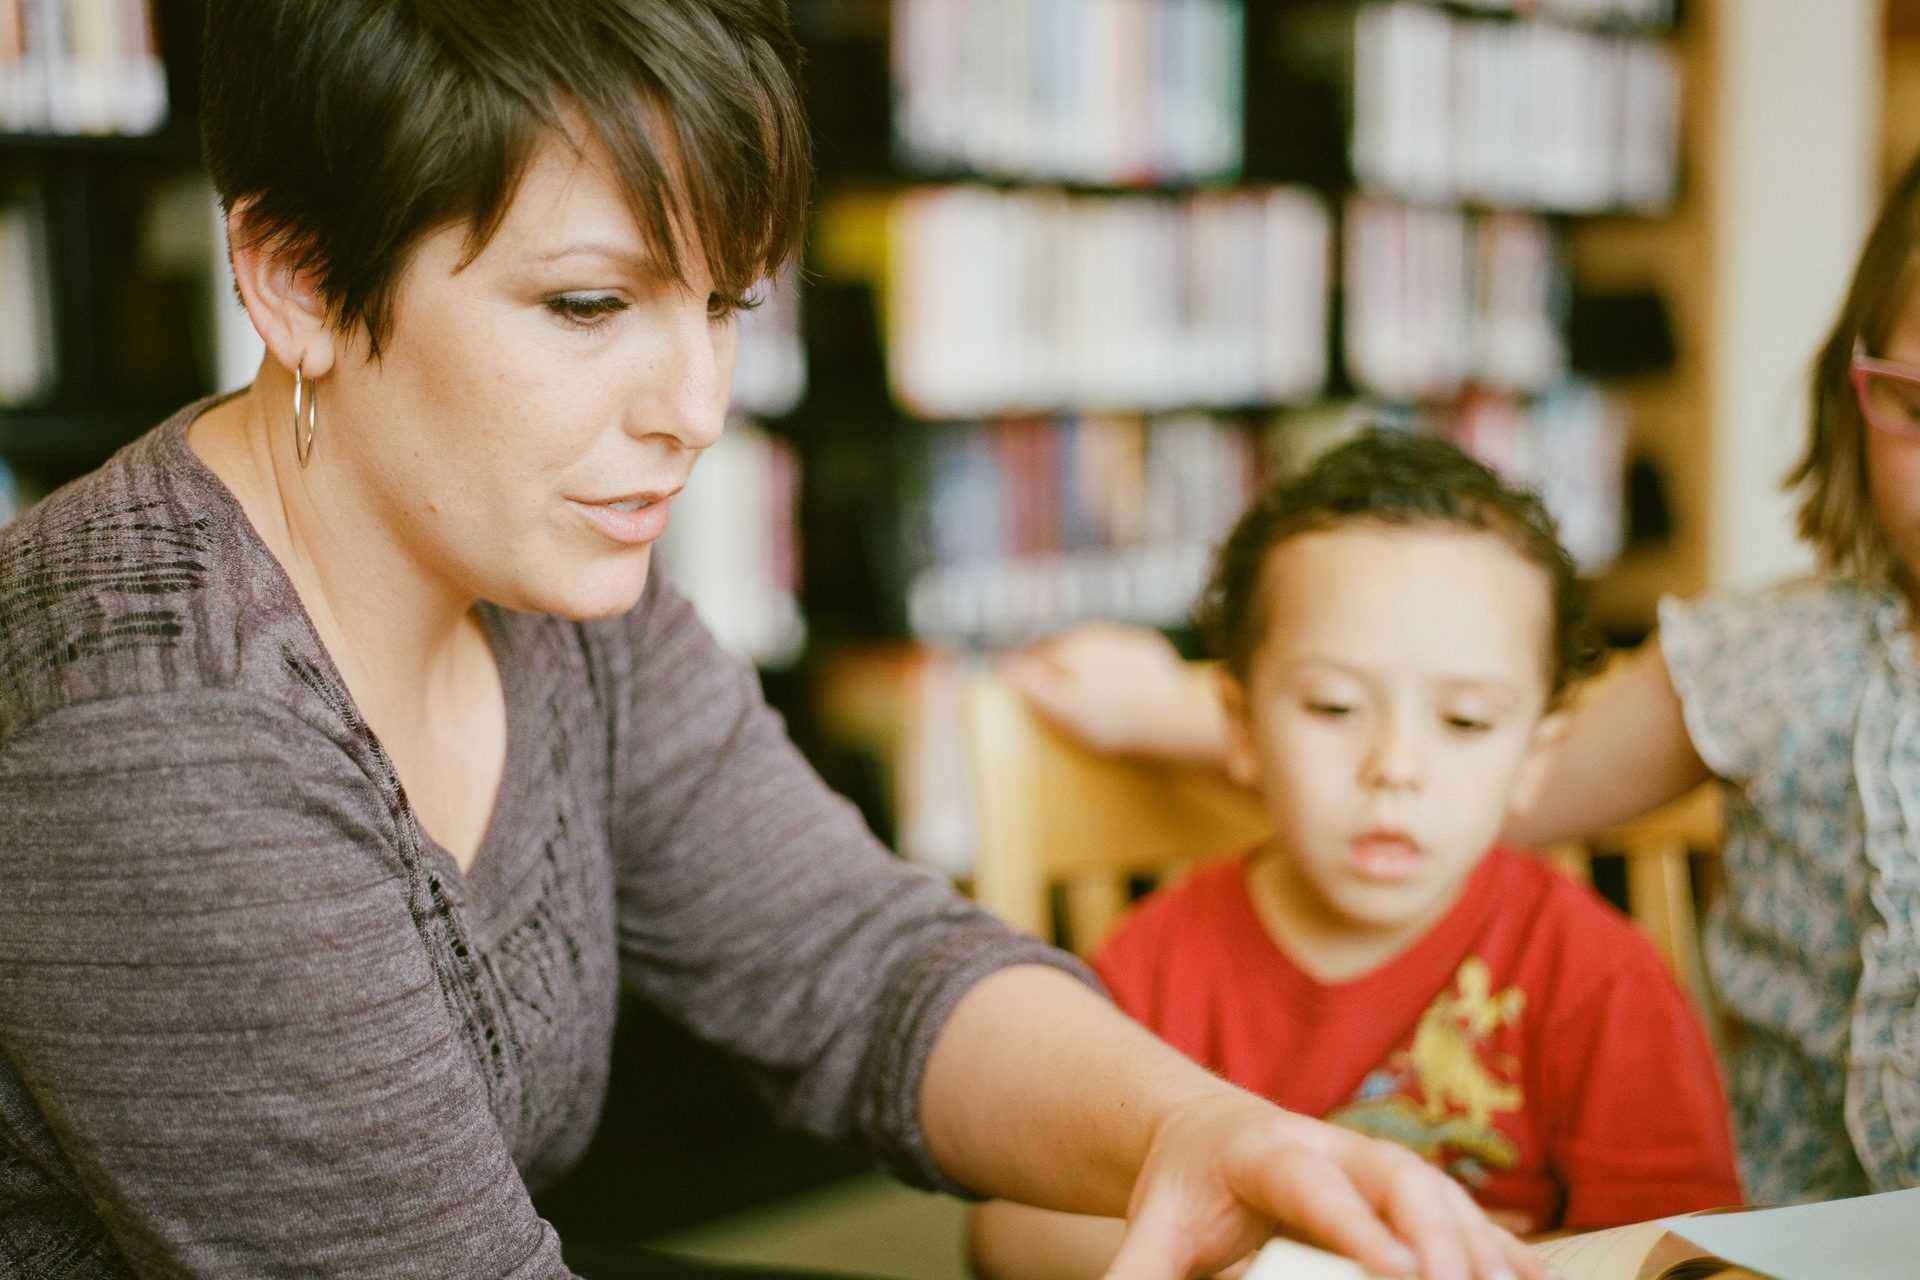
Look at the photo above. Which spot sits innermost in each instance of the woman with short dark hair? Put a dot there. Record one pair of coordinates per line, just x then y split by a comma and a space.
350, 754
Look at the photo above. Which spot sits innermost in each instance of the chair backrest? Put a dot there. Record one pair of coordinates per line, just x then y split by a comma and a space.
1658, 849
1054, 813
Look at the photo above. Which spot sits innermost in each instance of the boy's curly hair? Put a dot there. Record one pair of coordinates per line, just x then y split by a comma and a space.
1392, 477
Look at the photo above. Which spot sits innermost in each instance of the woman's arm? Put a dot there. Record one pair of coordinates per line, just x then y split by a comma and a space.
1039, 1091
1625, 751
1122, 690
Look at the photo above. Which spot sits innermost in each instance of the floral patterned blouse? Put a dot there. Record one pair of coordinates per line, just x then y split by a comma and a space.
1804, 699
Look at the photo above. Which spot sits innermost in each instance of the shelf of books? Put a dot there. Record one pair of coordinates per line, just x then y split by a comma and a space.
105, 251
80, 67
1120, 286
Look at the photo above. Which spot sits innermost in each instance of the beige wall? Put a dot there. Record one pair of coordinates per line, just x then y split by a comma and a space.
1795, 177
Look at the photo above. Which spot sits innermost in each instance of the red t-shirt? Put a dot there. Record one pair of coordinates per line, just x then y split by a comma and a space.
1531, 1043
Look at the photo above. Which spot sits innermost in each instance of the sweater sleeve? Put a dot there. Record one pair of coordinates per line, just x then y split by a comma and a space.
756, 907
214, 994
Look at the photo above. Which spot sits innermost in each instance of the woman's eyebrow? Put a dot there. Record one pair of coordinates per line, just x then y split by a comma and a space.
638, 258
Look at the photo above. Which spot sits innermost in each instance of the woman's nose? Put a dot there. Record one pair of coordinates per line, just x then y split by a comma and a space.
689, 379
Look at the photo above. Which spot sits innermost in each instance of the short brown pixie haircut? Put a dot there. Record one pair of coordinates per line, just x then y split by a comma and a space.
353, 128
1836, 507
1393, 478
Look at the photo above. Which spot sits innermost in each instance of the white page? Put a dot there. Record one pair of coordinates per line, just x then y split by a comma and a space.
1864, 1238
1613, 1254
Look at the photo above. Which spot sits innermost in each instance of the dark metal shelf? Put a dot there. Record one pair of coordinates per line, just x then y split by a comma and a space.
175, 142
71, 435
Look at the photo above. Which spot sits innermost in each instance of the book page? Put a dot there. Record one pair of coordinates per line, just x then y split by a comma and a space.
1865, 1238
1642, 1251
1617, 1253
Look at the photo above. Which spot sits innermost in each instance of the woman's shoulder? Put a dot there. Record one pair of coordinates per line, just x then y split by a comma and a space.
143, 577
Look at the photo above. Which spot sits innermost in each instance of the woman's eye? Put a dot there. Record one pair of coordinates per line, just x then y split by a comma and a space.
724, 306
1468, 724
586, 310
1329, 708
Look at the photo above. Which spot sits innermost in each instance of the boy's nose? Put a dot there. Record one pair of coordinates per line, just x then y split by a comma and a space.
1398, 760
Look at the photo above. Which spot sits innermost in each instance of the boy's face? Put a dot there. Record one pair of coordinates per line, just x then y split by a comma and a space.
1391, 715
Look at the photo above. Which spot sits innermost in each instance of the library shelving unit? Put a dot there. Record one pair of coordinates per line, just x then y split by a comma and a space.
1112, 264
103, 231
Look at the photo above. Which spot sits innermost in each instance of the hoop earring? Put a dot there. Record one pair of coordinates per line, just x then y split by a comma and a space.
306, 401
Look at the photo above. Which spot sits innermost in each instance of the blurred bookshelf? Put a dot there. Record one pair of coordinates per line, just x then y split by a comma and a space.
1112, 266
106, 234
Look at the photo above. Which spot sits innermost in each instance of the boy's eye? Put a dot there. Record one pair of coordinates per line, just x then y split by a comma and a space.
1329, 707
1468, 724
586, 310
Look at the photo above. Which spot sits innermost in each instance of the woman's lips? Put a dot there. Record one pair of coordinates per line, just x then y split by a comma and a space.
1385, 857
631, 521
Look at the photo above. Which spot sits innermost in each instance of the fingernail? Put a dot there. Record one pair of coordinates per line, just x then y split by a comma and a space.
1402, 1261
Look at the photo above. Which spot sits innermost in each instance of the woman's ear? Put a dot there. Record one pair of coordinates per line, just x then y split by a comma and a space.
1534, 766
281, 299
1242, 761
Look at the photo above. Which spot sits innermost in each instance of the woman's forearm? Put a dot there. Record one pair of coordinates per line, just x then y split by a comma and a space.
1062, 1120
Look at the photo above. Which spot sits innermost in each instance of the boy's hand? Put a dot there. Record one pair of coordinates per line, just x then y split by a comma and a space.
1121, 690
1221, 1170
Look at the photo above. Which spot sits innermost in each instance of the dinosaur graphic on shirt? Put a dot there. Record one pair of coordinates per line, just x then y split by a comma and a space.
1439, 1095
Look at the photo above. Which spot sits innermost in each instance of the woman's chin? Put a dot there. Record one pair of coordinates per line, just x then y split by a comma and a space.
598, 591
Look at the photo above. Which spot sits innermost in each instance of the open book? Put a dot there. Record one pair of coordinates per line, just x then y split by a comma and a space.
1865, 1238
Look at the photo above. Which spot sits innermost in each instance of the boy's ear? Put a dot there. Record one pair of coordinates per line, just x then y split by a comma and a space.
1535, 765
281, 299
1243, 764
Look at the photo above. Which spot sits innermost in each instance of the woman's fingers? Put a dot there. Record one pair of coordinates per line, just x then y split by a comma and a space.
1385, 1207
1155, 1247
1315, 1198
1493, 1252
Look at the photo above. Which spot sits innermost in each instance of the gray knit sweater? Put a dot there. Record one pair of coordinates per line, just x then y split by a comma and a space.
254, 1023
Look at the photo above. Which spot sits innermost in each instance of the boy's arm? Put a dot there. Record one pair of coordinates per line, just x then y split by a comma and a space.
1626, 751
1011, 1241
1124, 691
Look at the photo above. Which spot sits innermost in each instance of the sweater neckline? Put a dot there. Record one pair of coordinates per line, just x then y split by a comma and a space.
490, 868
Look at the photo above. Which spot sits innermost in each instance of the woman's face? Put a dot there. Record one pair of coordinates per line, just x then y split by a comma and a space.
532, 413
1893, 461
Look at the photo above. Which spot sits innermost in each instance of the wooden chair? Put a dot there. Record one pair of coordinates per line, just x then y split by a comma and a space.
1054, 813
1658, 849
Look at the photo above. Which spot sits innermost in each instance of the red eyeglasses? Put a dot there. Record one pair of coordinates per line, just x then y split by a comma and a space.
1888, 393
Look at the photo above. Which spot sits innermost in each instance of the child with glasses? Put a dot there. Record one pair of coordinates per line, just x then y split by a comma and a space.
1396, 629
1803, 701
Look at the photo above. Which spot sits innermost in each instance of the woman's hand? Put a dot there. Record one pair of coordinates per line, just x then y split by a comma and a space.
1222, 1170
1121, 690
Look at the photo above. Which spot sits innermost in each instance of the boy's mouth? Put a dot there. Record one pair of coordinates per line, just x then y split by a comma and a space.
1384, 855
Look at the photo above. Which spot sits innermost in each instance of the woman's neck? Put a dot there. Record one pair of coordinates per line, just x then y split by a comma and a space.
393, 632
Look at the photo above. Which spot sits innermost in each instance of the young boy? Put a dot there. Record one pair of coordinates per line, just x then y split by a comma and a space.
1396, 627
